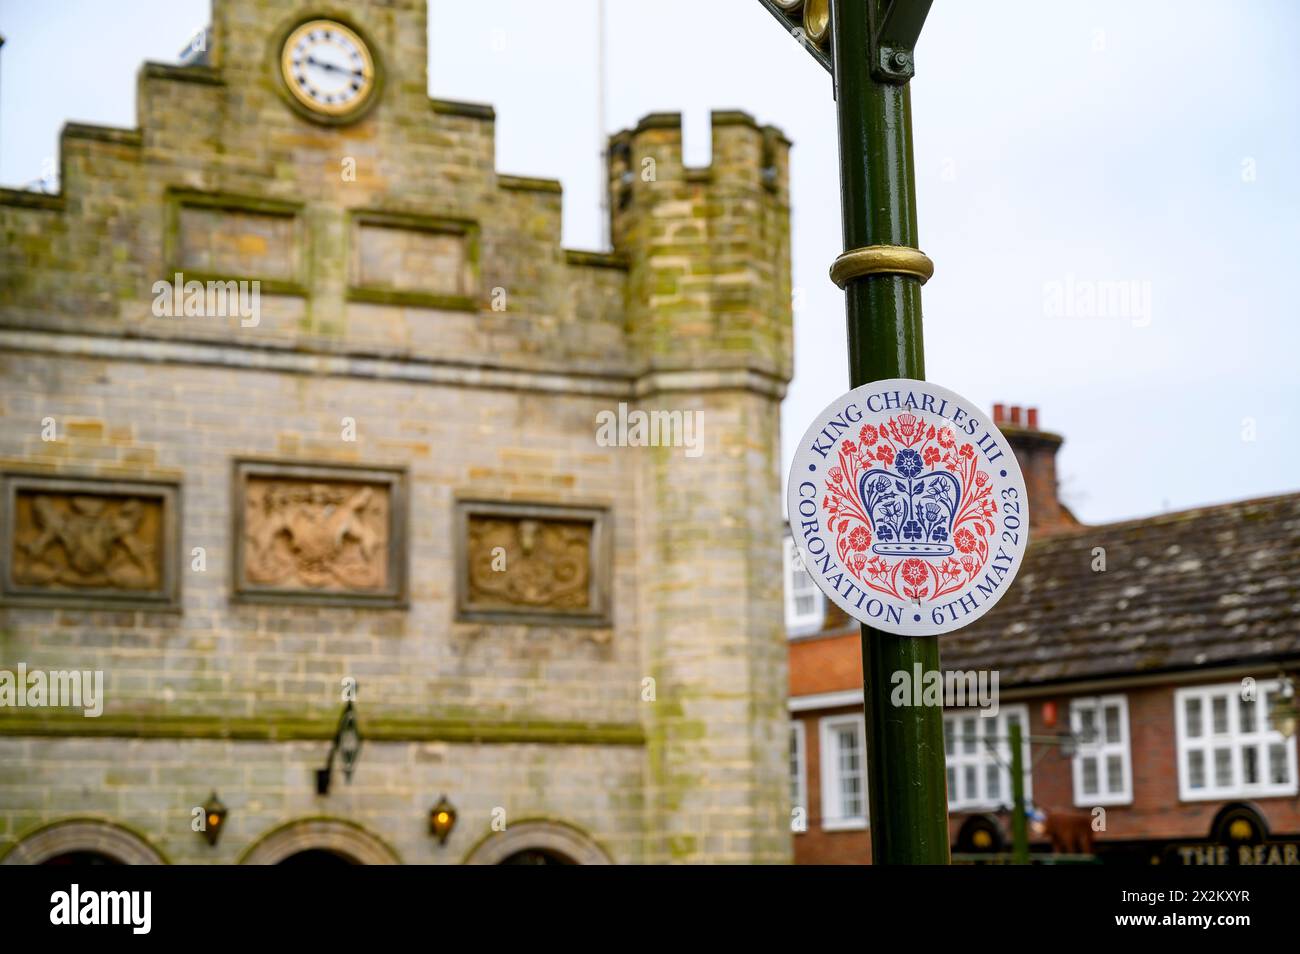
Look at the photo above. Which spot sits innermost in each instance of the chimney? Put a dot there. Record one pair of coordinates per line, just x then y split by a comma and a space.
1036, 452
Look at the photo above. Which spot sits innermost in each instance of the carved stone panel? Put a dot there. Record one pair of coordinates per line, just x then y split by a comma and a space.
532, 564
78, 541
225, 236
418, 260
319, 534
410, 260
236, 242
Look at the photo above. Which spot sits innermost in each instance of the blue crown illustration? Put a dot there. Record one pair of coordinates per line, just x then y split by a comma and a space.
910, 515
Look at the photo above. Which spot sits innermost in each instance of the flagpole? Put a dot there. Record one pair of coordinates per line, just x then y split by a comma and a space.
602, 140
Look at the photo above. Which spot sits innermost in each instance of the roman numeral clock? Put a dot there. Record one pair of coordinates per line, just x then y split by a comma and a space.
328, 71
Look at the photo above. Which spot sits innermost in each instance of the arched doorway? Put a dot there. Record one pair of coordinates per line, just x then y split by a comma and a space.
535, 856
980, 834
81, 859
538, 843
83, 841
1239, 823
316, 858
320, 841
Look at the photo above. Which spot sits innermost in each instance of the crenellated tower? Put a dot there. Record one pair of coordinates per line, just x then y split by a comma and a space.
709, 325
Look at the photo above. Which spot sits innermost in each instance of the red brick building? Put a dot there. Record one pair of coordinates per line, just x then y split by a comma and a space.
1151, 663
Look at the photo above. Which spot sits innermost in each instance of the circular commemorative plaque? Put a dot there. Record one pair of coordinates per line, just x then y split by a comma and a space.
908, 507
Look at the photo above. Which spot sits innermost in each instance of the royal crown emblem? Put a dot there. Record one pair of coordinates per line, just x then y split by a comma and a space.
914, 501
910, 509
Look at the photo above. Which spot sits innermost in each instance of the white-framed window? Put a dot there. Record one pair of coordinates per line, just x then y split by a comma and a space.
804, 609
1227, 746
1103, 772
978, 754
798, 768
844, 772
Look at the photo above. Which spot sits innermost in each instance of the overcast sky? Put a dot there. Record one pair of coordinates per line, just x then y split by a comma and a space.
1064, 151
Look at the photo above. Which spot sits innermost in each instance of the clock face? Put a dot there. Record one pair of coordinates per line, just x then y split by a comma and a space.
328, 68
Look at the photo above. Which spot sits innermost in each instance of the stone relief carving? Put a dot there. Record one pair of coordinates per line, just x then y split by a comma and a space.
547, 563
87, 541
533, 564
320, 535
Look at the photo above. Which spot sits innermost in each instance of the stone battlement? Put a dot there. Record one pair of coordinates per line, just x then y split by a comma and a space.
396, 236
708, 248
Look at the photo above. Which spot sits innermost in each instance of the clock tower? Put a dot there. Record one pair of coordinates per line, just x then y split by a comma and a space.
329, 69
358, 452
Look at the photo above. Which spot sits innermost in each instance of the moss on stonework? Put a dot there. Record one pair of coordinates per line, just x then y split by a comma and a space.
683, 846
683, 731
197, 726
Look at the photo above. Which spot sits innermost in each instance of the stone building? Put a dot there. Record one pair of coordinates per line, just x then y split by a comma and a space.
1153, 664
300, 402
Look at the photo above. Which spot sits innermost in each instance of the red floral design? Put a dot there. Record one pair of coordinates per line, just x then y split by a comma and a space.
907, 429
912, 578
860, 538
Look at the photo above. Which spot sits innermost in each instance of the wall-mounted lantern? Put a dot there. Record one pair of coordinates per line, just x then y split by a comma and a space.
442, 819
214, 819
347, 745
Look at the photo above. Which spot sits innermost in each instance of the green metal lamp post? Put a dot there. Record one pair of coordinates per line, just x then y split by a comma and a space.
881, 272
1019, 821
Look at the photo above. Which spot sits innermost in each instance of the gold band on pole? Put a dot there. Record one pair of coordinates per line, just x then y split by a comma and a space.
881, 260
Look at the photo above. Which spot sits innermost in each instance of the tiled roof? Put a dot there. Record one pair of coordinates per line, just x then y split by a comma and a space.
1206, 587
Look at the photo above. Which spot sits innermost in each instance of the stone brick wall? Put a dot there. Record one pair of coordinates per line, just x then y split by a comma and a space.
707, 289
151, 786
487, 388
